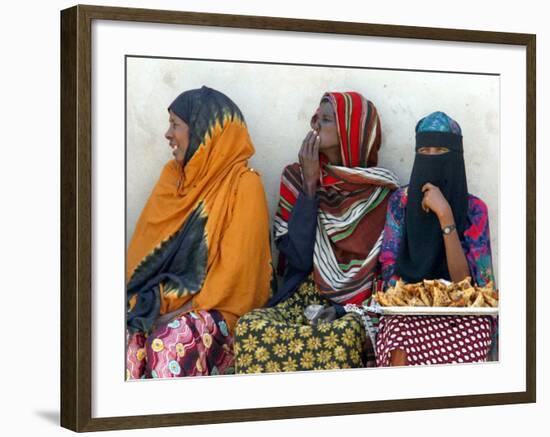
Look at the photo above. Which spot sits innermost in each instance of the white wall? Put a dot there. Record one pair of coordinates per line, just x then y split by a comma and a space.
278, 101
29, 177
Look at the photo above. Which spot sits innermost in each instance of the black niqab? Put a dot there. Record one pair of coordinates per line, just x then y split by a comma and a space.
422, 252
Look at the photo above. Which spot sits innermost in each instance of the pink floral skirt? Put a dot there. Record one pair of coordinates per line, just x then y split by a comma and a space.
434, 339
194, 344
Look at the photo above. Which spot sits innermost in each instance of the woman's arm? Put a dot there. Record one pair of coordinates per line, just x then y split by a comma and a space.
477, 243
456, 259
393, 233
298, 243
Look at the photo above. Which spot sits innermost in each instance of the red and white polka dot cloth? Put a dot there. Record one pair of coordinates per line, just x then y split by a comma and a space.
434, 339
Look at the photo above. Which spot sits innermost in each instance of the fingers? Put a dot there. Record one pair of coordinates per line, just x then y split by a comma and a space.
425, 207
309, 136
316, 145
310, 143
313, 135
424, 203
310, 147
427, 186
305, 143
310, 140
304, 152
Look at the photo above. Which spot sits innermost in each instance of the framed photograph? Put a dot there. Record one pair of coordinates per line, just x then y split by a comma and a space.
123, 72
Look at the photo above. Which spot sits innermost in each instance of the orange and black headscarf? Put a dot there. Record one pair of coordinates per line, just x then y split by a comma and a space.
193, 237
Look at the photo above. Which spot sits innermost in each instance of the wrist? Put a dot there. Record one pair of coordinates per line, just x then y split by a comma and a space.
445, 217
310, 188
448, 229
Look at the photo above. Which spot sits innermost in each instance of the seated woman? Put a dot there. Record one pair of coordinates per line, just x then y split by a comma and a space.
328, 230
435, 229
200, 254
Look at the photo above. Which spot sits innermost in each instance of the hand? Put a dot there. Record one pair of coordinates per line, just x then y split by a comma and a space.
435, 201
173, 315
309, 161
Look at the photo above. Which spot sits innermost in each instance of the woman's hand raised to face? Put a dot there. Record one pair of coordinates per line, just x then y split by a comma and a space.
456, 260
309, 161
435, 201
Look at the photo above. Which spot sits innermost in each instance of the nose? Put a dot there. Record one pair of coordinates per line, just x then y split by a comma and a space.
168, 134
315, 123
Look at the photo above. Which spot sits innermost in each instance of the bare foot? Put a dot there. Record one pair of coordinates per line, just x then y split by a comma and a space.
398, 357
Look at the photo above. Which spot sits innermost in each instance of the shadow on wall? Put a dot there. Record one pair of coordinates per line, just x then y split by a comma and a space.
49, 416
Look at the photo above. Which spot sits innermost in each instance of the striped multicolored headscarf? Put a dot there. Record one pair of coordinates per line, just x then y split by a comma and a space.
352, 203
358, 128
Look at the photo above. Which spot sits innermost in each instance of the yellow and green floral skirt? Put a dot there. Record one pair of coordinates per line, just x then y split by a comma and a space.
281, 339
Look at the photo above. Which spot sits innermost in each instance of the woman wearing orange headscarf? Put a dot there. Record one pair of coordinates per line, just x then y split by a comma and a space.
200, 255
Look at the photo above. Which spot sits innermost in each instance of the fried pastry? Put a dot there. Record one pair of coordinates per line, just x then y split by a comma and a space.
434, 293
441, 299
488, 296
426, 297
479, 302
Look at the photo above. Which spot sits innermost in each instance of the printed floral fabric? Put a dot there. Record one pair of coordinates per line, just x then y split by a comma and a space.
438, 122
197, 343
476, 241
281, 339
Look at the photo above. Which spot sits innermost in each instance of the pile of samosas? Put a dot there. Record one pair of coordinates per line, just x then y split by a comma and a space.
434, 293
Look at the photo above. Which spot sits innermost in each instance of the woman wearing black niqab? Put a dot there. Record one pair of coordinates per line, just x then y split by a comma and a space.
435, 229
438, 198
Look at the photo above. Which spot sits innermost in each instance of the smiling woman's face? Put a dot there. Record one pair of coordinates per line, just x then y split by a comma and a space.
177, 136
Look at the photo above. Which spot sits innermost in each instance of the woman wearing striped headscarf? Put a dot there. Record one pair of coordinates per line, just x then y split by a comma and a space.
200, 255
328, 229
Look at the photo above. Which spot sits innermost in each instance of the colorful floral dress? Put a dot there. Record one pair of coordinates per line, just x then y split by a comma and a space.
281, 339
194, 344
445, 339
